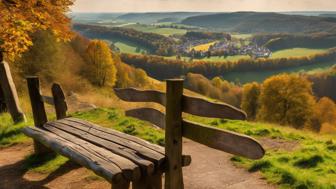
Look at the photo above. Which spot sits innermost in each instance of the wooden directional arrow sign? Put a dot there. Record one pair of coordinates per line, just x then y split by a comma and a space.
219, 139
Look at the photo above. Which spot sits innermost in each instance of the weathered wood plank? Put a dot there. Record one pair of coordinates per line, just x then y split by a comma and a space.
204, 135
143, 151
130, 154
59, 99
226, 141
48, 99
75, 153
151, 115
204, 108
112, 132
173, 134
10, 94
136, 95
38, 109
130, 170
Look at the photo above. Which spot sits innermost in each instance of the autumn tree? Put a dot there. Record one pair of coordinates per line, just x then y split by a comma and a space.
249, 104
101, 68
20, 19
325, 114
287, 100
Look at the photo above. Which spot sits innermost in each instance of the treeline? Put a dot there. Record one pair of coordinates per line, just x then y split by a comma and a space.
324, 83
193, 35
157, 44
162, 68
216, 88
70, 64
280, 41
289, 100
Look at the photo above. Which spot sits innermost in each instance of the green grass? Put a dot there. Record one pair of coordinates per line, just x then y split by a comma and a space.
157, 30
297, 52
310, 165
10, 133
246, 77
242, 36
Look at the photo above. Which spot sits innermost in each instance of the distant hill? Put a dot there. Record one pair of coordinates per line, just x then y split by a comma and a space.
256, 22
150, 18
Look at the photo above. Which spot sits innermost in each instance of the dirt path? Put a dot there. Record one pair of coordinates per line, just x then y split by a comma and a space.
211, 169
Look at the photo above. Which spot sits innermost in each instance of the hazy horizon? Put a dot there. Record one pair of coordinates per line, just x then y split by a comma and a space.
122, 6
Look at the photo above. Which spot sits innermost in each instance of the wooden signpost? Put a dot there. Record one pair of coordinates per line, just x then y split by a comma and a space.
176, 127
8, 93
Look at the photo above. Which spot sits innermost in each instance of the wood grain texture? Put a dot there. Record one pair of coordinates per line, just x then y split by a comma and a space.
129, 138
38, 109
59, 100
146, 165
204, 108
226, 141
9, 93
76, 153
173, 135
215, 138
151, 115
137, 95
130, 170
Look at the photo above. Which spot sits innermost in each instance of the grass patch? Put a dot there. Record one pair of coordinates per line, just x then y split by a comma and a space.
311, 165
10, 133
297, 52
44, 164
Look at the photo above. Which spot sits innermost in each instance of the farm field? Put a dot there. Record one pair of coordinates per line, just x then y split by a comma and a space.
203, 47
246, 77
297, 52
153, 29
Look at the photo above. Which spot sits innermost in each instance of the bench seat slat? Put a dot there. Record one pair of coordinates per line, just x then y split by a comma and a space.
110, 172
130, 138
125, 152
141, 150
130, 170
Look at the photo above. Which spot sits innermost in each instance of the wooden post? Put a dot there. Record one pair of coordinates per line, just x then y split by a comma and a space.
39, 113
59, 101
2, 101
149, 182
173, 134
9, 93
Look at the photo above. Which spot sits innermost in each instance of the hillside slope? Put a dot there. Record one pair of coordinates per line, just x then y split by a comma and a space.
255, 22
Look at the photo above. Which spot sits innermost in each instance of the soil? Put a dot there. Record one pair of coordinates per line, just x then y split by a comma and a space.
210, 169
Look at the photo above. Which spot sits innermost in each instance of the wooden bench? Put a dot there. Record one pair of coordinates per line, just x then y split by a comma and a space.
121, 158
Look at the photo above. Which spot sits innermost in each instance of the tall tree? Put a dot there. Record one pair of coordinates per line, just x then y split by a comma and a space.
101, 67
286, 99
20, 19
249, 104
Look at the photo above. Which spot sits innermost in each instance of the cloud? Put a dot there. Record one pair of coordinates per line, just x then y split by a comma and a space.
202, 5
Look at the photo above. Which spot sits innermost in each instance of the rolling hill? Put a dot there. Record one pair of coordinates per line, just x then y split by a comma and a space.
154, 17
256, 22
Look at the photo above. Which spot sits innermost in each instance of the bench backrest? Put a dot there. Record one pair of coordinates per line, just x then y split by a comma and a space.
37, 101
176, 127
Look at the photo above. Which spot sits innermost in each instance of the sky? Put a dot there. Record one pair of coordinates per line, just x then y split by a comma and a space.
202, 5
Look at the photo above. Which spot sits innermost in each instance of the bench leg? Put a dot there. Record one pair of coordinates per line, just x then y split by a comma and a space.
149, 182
121, 185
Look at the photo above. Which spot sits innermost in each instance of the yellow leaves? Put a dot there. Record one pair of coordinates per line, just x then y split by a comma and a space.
286, 99
20, 19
